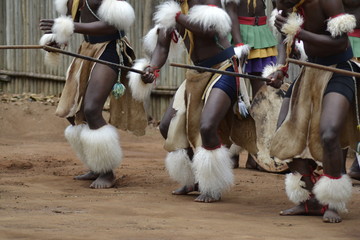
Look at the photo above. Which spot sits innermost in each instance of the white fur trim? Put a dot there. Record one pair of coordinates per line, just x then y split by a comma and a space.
101, 148
46, 39
272, 19
140, 90
334, 192
294, 188
300, 48
178, 165
52, 59
63, 28
292, 26
270, 69
150, 41
117, 13
241, 51
341, 25
61, 6
213, 171
210, 17
72, 135
165, 14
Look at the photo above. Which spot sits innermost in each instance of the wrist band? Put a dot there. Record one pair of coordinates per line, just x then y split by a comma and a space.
177, 15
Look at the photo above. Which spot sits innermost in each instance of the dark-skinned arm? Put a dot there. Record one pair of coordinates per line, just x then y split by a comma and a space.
158, 57
232, 10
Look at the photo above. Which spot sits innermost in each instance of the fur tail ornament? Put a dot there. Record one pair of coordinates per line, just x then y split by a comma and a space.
140, 90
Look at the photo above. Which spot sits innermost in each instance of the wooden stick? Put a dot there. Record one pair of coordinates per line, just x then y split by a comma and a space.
53, 49
205, 69
3, 47
322, 67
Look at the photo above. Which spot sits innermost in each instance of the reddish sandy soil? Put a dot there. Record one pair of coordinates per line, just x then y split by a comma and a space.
40, 200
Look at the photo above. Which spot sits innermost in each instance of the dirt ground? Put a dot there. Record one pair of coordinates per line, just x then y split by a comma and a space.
40, 200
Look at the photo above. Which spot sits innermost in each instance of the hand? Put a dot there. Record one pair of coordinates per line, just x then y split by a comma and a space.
276, 79
279, 22
150, 75
46, 25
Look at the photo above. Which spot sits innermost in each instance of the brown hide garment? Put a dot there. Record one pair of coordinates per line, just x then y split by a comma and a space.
125, 112
77, 78
184, 129
299, 135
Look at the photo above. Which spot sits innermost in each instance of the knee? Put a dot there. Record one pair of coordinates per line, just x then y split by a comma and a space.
90, 112
328, 137
207, 128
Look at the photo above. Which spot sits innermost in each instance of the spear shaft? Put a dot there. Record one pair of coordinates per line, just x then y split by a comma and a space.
322, 67
205, 69
53, 49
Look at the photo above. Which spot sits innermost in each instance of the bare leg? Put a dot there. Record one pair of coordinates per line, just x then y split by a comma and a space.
213, 113
335, 107
100, 85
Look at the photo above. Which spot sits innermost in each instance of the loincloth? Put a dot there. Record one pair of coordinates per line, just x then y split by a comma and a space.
125, 112
184, 129
299, 135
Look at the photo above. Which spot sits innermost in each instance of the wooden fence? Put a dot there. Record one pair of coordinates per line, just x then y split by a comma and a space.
24, 71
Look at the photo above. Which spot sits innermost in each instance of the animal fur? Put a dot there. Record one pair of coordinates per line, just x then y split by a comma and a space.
63, 29
295, 188
340, 25
178, 165
61, 6
117, 13
140, 90
165, 14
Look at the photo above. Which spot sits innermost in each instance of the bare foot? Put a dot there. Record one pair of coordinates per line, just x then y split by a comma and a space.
106, 180
206, 198
354, 171
310, 207
235, 161
87, 176
331, 216
185, 190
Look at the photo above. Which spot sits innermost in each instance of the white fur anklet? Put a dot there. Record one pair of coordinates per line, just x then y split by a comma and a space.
295, 188
334, 192
101, 148
178, 165
72, 135
213, 171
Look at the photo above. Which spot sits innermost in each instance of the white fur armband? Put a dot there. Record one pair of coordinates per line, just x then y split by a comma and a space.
63, 28
292, 27
165, 14
140, 90
211, 17
294, 188
341, 24
177, 47
242, 50
117, 13
61, 6
334, 192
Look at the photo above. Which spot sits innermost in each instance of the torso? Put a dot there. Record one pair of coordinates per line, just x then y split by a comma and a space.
353, 7
204, 45
84, 13
250, 10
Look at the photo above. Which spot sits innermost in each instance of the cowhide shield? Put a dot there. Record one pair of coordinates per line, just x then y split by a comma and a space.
265, 109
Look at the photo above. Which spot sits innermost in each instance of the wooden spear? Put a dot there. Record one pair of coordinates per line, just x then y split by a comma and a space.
322, 67
53, 49
205, 69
